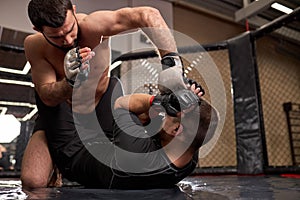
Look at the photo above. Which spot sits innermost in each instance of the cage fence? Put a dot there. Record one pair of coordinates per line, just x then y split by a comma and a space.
279, 75
141, 76
274, 79
292, 111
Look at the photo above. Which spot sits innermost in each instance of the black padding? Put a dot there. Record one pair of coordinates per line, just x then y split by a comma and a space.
247, 106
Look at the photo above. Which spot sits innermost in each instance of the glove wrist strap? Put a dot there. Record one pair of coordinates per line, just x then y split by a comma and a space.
170, 60
151, 100
72, 83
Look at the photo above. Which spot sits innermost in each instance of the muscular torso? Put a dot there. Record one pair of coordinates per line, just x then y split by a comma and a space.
89, 94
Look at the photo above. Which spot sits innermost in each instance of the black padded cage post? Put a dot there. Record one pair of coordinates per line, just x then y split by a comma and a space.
251, 153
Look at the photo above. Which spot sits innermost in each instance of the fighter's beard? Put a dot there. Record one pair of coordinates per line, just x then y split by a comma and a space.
65, 49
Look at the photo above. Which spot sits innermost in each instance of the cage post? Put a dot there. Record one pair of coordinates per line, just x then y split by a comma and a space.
251, 150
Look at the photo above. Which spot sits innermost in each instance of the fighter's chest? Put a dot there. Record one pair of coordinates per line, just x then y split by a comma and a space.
57, 63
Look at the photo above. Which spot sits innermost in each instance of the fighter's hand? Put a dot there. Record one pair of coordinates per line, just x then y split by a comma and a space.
176, 102
76, 61
194, 87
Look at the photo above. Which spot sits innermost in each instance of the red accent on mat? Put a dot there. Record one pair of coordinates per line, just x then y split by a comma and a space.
291, 175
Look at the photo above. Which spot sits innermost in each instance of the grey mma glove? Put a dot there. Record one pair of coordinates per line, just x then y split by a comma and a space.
174, 103
171, 78
73, 68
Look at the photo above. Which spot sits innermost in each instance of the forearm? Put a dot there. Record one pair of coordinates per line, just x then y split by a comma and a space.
54, 93
136, 103
158, 31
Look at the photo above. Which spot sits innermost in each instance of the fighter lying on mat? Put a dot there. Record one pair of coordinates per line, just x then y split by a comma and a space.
60, 29
146, 150
171, 153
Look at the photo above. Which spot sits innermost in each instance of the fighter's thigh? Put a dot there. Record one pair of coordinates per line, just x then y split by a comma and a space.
37, 163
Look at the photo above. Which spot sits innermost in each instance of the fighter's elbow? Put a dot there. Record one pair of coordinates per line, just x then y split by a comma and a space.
151, 15
48, 101
152, 11
45, 98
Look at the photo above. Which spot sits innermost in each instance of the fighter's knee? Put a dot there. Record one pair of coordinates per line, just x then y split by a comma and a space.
32, 182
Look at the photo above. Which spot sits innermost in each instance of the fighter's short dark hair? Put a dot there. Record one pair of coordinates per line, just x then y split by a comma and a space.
50, 13
202, 122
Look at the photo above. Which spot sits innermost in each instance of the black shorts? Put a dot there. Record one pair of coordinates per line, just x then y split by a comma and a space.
38, 126
58, 123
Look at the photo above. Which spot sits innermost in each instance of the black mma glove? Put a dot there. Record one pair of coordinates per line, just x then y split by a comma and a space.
175, 102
